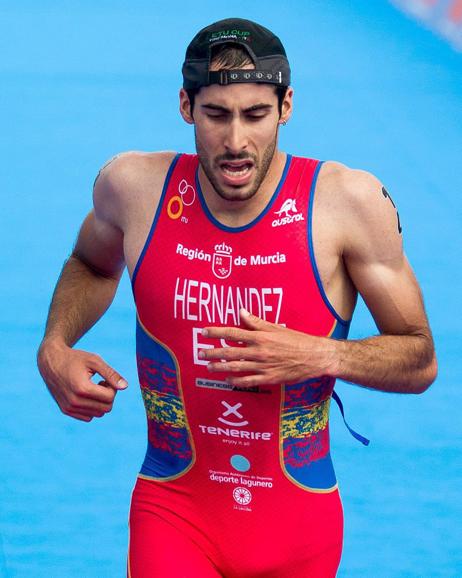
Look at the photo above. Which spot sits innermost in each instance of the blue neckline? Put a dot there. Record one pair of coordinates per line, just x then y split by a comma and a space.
223, 227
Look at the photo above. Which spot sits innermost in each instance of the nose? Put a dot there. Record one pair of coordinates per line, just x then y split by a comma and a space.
236, 137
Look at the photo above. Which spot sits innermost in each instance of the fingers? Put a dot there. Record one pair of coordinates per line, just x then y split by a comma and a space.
229, 333
234, 366
247, 380
79, 416
228, 353
67, 373
88, 399
109, 374
252, 321
100, 392
76, 405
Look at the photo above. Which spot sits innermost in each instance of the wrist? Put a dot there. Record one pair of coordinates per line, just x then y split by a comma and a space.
336, 356
50, 346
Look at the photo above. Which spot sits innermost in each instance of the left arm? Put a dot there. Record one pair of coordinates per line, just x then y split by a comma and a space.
401, 359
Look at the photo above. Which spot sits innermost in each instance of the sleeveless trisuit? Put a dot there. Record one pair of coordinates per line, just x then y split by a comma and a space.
236, 482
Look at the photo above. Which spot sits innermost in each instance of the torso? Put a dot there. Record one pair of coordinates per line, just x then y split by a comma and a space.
141, 204
220, 457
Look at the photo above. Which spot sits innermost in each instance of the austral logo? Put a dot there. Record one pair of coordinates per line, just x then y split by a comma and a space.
287, 214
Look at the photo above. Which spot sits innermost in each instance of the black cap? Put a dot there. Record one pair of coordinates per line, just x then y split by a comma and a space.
264, 48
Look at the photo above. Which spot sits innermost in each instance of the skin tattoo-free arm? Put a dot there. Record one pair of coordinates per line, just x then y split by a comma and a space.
85, 289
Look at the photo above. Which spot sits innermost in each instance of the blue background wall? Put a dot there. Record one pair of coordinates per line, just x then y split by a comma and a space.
81, 81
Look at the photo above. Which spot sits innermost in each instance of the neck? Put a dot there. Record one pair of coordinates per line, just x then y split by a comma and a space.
240, 213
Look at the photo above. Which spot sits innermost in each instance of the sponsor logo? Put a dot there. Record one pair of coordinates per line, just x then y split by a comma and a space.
185, 198
232, 409
287, 214
216, 384
242, 496
222, 261
287, 207
229, 33
231, 432
251, 481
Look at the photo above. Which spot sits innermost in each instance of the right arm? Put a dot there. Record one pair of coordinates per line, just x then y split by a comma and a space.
85, 289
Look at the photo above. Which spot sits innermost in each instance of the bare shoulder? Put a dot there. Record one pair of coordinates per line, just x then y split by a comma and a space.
124, 182
355, 186
368, 216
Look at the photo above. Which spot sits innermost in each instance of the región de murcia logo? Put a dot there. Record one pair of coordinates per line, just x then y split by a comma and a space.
222, 261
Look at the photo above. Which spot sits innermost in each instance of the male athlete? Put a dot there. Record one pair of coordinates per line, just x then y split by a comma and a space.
245, 263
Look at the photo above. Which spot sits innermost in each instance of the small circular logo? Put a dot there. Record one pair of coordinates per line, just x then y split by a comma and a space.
187, 192
242, 496
240, 463
175, 207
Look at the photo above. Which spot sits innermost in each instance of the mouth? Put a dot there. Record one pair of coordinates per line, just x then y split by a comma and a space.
236, 173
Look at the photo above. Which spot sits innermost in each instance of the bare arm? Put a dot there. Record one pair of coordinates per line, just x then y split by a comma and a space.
401, 359
85, 289
86, 286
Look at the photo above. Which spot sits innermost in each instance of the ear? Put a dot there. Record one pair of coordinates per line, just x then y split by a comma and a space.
185, 107
286, 109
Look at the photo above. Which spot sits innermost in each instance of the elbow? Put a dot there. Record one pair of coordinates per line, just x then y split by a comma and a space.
428, 376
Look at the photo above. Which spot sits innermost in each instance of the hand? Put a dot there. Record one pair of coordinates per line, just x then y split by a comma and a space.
68, 372
272, 354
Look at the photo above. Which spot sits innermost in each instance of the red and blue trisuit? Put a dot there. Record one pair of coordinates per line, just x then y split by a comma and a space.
236, 482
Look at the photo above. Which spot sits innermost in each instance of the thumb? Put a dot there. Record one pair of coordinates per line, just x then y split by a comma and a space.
109, 374
252, 321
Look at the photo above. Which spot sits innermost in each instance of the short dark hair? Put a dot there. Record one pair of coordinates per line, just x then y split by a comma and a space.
230, 55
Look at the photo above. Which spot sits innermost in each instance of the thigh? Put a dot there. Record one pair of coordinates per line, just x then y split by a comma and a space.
324, 565
158, 549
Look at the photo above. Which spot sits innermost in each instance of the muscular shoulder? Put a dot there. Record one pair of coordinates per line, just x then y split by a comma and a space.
125, 181
355, 187
364, 209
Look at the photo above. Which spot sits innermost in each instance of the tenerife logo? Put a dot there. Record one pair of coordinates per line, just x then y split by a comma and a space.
233, 419
232, 409
222, 261
185, 198
287, 214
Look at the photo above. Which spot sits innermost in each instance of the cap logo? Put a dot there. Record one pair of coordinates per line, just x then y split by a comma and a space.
227, 34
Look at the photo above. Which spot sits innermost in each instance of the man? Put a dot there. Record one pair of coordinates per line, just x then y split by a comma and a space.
245, 264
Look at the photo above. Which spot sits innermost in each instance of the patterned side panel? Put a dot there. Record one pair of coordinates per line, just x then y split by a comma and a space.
305, 434
169, 449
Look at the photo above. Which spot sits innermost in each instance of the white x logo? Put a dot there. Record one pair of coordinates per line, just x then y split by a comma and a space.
232, 409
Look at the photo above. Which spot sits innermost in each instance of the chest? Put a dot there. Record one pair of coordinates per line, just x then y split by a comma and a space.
193, 270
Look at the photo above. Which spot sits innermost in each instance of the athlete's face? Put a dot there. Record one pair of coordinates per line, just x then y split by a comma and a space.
236, 131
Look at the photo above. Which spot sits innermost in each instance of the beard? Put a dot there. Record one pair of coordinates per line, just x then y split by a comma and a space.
210, 168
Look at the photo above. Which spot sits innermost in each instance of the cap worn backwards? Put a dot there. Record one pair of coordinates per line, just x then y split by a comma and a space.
264, 48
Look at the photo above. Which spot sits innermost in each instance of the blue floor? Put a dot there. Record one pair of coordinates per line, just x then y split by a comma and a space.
79, 83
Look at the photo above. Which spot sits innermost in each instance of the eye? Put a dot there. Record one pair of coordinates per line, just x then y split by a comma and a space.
217, 115
256, 116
